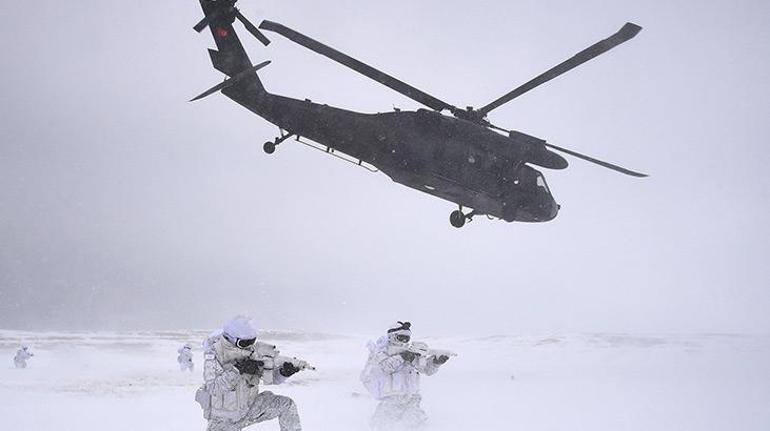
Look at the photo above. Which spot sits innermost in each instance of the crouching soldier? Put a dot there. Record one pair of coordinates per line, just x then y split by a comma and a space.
392, 376
234, 365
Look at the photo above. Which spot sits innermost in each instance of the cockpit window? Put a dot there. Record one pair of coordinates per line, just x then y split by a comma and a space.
541, 183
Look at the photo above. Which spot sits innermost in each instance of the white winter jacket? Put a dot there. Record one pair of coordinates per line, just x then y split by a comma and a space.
185, 356
232, 393
388, 375
22, 355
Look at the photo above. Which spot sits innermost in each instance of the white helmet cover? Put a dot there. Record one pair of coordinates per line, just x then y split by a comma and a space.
240, 327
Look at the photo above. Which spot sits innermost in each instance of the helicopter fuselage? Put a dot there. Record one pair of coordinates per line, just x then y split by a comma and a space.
461, 158
451, 158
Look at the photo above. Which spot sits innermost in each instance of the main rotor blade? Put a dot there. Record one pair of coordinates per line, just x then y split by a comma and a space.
252, 28
362, 68
624, 34
598, 162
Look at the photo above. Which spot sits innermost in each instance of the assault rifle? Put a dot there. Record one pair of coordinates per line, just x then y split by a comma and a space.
271, 357
421, 350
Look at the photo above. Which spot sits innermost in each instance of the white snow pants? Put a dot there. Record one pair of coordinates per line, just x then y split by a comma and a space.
187, 366
399, 412
267, 406
20, 363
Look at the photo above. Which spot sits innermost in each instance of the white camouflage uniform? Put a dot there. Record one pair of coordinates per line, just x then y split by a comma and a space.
22, 355
236, 401
396, 384
185, 358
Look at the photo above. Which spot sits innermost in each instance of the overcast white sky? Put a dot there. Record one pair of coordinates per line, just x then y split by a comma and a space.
124, 206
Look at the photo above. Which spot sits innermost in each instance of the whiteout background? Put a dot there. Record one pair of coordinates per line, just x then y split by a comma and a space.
122, 207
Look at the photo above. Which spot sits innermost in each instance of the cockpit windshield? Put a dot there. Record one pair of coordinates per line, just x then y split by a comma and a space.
541, 183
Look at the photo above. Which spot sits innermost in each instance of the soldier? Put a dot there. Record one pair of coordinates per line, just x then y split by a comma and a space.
185, 358
392, 376
22, 355
232, 372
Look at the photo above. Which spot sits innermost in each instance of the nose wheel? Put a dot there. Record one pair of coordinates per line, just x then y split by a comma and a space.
457, 218
269, 147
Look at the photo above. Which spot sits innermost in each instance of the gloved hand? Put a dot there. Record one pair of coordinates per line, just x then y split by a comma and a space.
408, 356
441, 360
288, 369
250, 366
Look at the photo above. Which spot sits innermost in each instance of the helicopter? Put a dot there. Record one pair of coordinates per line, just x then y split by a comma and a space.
459, 156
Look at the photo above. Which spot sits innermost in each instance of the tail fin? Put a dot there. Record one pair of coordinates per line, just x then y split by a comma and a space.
230, 57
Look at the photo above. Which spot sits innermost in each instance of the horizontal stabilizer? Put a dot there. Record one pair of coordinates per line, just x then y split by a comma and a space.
230, 81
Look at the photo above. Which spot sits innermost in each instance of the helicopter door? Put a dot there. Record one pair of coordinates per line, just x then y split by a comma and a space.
479, 169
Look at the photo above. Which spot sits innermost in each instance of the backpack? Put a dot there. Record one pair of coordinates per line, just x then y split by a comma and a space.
372, 376
203, 397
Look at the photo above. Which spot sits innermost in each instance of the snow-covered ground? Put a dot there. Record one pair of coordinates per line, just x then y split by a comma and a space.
130, 381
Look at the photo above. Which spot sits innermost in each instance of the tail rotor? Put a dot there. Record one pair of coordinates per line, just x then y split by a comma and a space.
226, 10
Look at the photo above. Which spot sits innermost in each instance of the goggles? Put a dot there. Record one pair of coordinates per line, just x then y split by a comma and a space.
403, 338
241, 343
245, 343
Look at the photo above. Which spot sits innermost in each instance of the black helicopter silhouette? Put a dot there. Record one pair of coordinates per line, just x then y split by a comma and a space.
461, 158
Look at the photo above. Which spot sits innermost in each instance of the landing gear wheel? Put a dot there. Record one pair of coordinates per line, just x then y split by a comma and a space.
457, 219
269, 147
